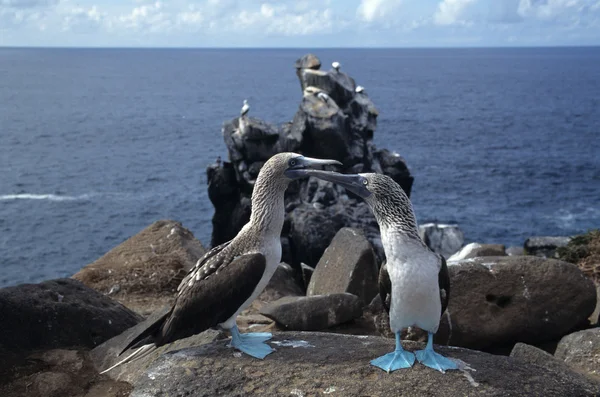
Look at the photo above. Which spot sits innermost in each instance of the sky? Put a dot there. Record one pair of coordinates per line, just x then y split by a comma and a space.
300, 23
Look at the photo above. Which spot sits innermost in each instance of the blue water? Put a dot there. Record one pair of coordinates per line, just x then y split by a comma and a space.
97, 144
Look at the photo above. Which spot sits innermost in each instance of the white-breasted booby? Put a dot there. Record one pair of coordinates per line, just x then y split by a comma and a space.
415, 277
242, 122
245, 108
336, 66
323, 96
230, 276
359, 89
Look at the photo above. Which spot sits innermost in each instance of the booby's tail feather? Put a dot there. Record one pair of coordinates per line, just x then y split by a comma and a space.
148, 336
135, 355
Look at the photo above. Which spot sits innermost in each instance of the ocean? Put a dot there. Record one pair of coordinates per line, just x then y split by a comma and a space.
96, 144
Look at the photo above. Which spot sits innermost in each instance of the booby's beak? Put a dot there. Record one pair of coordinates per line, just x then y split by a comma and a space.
353, 182
300, 166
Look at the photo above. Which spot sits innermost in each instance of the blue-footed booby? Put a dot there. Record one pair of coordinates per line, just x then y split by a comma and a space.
245, 108
415, 277
336, 66
230, 276
242, 123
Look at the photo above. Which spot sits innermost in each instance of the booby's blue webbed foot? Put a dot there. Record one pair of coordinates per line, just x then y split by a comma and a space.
431, 359
397, 359
252, 343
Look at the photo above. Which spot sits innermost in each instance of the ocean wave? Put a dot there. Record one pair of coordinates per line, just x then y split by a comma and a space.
49, 197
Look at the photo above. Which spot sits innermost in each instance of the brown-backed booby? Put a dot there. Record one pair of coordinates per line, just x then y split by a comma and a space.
415, 277
230, 276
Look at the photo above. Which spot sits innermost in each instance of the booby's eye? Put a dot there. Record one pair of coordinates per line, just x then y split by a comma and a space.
365, 182
292, 163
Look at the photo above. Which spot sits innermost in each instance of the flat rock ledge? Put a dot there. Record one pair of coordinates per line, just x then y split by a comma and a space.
314, 364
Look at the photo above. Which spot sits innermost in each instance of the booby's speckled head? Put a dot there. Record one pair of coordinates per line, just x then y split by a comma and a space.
385, 197
294, 165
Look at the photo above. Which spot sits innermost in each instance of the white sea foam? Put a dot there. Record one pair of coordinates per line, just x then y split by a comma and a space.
49, 197
59, 197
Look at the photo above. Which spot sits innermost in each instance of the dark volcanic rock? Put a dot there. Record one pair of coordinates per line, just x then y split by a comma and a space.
535, 356
338, 85
581, 351
475, 250
146, 268
311, 364
57, 373
496, 301
314, 313
394, 166
348, 265
106, 355
544, 246
282, 284
57, 314
443, 239
308, 61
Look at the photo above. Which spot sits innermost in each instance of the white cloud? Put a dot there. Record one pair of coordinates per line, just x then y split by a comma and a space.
285, 21
547, 9
373, 10
82, 19
451, 12
148, 18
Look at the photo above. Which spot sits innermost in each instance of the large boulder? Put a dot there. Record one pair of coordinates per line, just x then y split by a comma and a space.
307, 364
314, 313
348, 265
496, 301
441, 238
539, 357
107, 354
581, 351
59, 313
473, 250
144, 271
56, 373
544, 246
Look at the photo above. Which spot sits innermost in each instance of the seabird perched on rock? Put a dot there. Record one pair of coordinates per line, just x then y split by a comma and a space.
230, 276
359, 89
336, 66
242, 123
245, 108
415, 277
323, 96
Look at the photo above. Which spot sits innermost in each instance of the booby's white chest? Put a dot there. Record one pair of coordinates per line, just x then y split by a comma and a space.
414, 272
271, 249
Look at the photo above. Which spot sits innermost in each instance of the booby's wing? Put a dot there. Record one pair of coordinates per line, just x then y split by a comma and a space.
201, 262
211, 293
444, 283
385, 286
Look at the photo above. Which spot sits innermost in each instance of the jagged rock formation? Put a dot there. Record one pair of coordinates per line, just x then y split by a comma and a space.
332, 121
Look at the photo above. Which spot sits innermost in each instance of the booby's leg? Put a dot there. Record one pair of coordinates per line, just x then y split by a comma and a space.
397, 359
434, 360
252, 343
